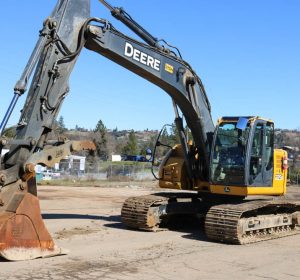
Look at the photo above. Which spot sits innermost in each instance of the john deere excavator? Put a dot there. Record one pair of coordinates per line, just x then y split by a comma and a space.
221, 165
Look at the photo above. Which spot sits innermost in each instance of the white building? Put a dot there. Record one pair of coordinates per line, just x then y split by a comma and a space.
116, 158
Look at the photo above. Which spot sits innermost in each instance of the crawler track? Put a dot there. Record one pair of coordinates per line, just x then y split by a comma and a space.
146, 212
253, 221
235, 223
137, 212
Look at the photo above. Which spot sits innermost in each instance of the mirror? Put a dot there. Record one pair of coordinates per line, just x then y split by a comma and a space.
242, 123
148, 154
166, 139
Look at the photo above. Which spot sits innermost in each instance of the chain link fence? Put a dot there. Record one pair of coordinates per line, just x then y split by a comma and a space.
103, 170
297, 178
294, 175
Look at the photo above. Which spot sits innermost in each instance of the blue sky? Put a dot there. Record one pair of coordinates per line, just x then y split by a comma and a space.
246, 52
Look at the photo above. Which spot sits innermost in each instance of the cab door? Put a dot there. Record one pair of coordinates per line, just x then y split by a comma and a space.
261, 147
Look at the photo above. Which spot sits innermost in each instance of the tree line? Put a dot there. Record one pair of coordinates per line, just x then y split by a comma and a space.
130, 142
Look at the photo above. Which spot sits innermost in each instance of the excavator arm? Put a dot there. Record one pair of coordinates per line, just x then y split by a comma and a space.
64, 34
23, 234
53, 64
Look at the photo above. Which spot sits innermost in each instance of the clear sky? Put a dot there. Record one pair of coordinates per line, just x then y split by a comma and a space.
246, 52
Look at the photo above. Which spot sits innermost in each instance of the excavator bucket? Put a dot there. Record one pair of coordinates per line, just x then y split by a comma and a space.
23, 235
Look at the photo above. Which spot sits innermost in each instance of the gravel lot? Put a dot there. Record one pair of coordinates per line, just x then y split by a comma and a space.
86, 221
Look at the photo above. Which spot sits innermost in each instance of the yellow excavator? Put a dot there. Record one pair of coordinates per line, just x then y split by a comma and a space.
214, 171
243, 163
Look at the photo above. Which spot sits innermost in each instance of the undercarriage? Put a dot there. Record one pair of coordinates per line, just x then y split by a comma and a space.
236, 222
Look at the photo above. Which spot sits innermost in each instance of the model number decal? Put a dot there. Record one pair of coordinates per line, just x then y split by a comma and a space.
169, 68
142, 57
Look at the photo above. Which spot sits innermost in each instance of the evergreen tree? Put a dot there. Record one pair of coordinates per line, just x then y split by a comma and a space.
100, 140
131, 148
100, 127
61, 127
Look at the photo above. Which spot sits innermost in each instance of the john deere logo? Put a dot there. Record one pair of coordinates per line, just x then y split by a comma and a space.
141, 57
226, 189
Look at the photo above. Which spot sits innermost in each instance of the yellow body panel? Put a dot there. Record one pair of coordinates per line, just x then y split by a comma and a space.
172, 171
173, 176
278, 187
246, 191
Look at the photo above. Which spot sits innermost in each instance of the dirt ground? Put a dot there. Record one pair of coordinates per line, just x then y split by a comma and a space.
86, 221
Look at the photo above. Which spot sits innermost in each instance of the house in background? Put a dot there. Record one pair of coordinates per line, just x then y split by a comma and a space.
116, 158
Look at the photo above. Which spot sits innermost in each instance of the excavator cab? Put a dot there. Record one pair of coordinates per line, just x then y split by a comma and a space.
243, 158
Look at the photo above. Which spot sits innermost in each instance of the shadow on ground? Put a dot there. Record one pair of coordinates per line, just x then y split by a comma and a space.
192, 227
58, 216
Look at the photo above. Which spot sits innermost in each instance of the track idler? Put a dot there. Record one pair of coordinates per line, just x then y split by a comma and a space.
23, 234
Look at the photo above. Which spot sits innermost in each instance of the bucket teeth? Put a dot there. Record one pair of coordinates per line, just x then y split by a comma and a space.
21, 254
